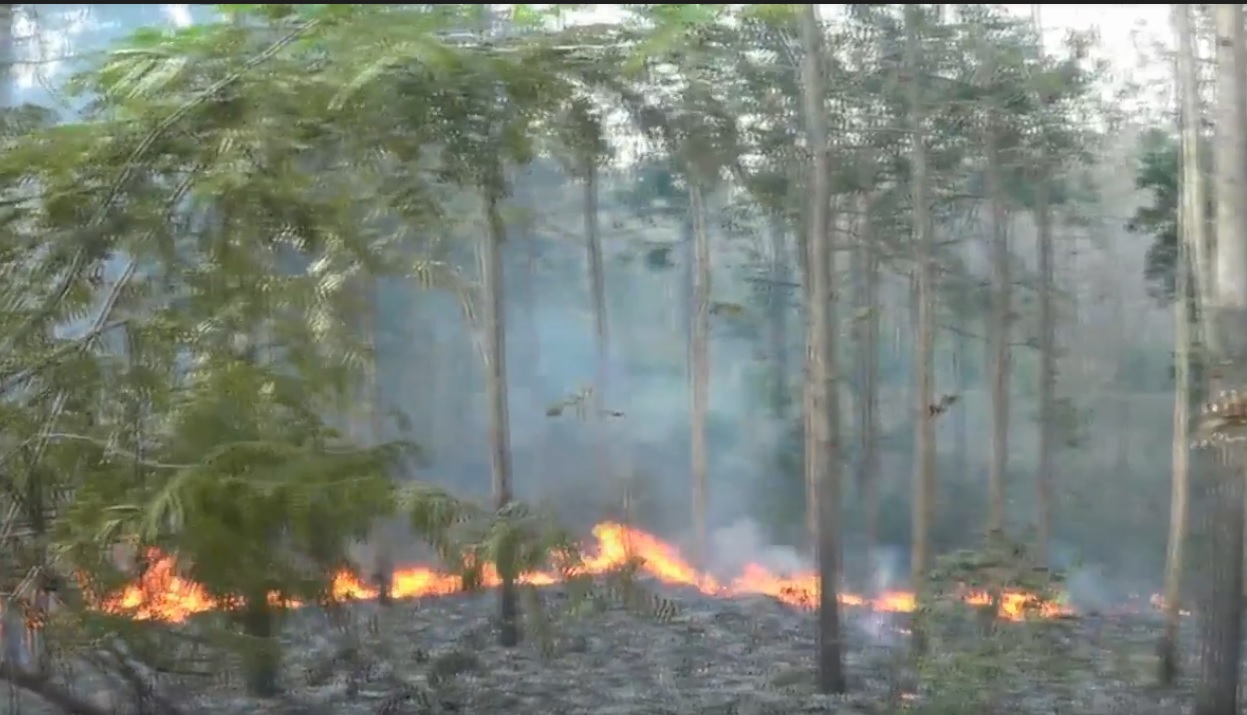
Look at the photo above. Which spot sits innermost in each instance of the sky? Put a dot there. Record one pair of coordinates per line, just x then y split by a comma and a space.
1133, 38
1130, 37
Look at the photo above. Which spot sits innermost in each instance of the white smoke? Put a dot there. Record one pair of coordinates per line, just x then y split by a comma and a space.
887, 573
733, 547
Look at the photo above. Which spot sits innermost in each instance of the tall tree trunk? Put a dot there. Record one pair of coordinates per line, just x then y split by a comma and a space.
597, 299
1226, 334
924, 349
493, 325
1047, 378
822, 451
814, 475
1047, 334
1191, 234
868, 363
999, 333
699, 369
1180, 477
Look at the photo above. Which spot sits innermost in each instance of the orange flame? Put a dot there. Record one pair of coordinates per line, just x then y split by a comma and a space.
165, 596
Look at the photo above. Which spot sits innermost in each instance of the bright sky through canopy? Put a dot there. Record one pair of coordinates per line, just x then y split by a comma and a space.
1129, 36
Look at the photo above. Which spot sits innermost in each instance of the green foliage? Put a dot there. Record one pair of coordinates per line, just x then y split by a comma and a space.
211, 218
186, 264
975, 657
1157, 173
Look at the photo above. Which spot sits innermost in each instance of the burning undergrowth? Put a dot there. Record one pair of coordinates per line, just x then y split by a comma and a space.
708, 654
660, 648
163, 594
651, 635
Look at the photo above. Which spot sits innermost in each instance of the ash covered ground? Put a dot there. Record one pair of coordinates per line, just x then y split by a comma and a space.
680, 652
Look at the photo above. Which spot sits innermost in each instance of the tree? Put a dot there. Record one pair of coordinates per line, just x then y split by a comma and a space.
1226, 312
924, 350
1047, 322
821, 406
699, 362
867, 362
589, 148
1192, 227
999, 329
172, 252
494, 321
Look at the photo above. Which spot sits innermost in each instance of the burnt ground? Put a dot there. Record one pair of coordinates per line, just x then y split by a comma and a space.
675, 652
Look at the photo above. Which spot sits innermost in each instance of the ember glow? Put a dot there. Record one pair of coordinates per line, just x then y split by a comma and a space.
165, 596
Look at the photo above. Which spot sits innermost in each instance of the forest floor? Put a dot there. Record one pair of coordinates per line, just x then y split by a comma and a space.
678, 652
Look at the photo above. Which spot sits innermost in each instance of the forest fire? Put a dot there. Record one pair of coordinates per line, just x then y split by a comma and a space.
165, 596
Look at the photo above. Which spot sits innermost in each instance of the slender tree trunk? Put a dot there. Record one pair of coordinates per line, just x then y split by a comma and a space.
1047, 374
493, 324
868, 426
1180, 478
597, 297
1191, 230
1001, 321
1047, 334
822, 451
1226, 333
924, 350
814, 475
908, 337
699, 370
1200, 247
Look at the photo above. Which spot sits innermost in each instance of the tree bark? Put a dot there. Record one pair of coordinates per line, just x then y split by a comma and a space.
597, 299
999, 333
924, 349
814, 475
1180, 477
493, 325
1226, 333
1191, 233
699, 369
1047, 329
822, 451
1047, 373
868, 362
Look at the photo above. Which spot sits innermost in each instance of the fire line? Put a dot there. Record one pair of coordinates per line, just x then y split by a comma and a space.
165, 596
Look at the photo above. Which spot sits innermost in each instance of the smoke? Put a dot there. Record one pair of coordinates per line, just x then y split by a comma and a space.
1093, 586
1088, 589
887, 569
740, 543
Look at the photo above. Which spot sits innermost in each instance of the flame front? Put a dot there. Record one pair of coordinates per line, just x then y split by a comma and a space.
163, 595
